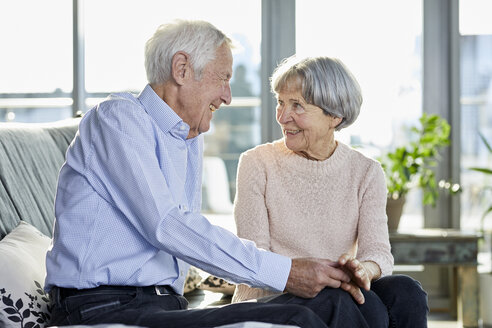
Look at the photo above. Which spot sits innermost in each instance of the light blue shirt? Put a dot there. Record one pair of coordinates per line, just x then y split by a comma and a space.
128, 205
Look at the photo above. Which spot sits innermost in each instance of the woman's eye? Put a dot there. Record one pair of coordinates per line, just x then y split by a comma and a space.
297, 108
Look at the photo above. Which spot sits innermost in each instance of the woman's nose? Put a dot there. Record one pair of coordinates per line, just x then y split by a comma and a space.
283, 114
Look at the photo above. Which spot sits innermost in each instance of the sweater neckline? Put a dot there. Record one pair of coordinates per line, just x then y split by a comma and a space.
301, 164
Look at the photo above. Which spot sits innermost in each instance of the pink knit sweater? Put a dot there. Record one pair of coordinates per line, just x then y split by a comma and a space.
303, 208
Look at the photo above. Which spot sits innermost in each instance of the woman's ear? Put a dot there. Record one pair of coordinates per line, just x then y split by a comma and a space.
336, 121
181, 67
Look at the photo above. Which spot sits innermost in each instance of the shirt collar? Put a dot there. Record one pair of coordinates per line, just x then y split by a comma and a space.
163, 115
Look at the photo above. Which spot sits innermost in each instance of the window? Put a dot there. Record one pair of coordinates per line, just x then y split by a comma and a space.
36, 60
476, 110
36, 63
381, 43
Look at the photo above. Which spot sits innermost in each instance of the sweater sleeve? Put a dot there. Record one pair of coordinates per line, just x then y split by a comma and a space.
373, 237
250, 210
251, 214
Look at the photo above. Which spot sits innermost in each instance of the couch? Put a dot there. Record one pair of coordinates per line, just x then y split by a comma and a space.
31, 155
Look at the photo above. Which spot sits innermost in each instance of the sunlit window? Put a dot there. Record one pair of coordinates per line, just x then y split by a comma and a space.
35, 60
476, 111
381, 43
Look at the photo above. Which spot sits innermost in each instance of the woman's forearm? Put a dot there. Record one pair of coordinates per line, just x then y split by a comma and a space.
372, 269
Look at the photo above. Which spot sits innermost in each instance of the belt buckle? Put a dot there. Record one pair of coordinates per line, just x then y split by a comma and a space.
160, 290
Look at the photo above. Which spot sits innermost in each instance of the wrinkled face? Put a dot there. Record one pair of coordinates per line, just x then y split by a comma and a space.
306, 128
207, 94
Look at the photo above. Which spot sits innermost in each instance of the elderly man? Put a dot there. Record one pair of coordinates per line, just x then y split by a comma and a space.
128, 222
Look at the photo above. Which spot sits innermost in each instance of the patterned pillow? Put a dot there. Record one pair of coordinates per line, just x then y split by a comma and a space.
192, 280
219, 285
23, 303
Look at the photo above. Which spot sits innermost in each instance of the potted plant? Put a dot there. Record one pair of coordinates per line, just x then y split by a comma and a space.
411, 166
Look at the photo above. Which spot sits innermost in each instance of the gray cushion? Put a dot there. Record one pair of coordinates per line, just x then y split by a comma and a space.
30, 158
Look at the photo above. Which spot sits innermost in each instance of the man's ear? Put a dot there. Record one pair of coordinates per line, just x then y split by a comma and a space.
181, 67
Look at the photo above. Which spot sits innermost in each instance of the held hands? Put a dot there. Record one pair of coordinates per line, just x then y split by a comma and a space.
361, 274
308, 276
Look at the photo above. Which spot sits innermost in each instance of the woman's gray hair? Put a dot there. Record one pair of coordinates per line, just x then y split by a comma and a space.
324, 82
199, 39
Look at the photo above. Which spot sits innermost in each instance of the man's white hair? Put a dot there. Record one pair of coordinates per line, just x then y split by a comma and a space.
199, 39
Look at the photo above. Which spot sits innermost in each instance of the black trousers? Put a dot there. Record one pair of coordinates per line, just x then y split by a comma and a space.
331, 308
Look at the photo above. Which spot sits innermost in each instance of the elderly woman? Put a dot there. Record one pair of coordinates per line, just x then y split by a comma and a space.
309, 194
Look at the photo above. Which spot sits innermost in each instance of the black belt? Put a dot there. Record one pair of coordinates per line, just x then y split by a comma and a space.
153, 290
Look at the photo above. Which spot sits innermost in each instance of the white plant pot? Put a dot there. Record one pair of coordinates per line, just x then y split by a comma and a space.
486, 298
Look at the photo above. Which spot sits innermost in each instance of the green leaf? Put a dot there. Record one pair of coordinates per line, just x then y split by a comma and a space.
487, 212
481, 169
14, 319
485, 142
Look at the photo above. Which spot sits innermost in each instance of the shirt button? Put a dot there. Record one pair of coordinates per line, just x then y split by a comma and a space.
181, 273
182, 127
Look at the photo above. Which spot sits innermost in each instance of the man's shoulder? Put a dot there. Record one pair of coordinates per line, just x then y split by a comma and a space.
120, 105
122, 112
121, 99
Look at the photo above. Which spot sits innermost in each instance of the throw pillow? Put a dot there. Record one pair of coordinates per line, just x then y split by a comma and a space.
218, 285
23, 302
192, 280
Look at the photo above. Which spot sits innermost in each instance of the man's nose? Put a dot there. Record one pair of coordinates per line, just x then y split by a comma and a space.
226, 95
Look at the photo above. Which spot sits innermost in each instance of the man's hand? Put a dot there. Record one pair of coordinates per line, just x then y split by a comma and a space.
308, 276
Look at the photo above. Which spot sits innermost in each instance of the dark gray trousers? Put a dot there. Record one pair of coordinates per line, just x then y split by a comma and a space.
331, 308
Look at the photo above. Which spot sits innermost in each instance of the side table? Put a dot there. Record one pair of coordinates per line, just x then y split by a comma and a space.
448, 247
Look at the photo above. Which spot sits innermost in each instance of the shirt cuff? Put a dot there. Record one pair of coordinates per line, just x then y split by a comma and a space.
274, 271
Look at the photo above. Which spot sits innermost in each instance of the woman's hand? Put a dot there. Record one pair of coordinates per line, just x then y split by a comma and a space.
361, 274
354, 290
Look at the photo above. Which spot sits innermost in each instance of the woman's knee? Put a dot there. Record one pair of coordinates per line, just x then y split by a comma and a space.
374, 310
372, 299
410, 286
401, 287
